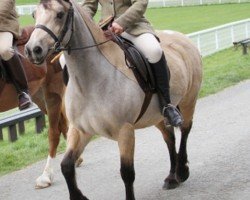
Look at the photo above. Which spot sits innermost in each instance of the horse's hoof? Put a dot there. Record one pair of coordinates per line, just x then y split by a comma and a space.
182, 172
79, 161
170, 182
44, 181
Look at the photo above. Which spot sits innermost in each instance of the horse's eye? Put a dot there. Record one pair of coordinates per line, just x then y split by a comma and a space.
60, 15
33, 14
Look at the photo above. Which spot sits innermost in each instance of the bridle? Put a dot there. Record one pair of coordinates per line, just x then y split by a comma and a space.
58, 40
57, 47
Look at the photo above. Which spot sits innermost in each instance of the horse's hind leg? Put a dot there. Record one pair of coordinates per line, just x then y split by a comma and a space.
168, 135
76, 142
182, 169
126, 142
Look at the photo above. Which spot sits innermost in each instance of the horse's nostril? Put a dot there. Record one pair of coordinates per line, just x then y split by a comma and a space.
37, 50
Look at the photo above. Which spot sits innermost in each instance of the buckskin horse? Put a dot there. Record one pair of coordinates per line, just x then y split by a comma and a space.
103, 97
47, 90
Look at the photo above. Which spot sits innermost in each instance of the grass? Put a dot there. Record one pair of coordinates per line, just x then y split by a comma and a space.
224, 69
29, 149
220, 70
27, 2
194, 18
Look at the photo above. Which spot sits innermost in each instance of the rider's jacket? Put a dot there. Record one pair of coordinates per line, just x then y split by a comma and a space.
9, 17
127, 13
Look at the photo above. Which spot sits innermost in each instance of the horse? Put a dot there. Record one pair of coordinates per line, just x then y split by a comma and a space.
47, 90
103, 97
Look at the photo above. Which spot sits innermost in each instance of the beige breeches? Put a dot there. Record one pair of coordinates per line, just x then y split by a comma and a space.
147, 44
6, 45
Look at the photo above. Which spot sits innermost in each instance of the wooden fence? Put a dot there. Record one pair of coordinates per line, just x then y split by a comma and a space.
16, 120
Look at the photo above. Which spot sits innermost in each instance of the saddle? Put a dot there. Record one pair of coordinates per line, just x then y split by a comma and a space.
137, 62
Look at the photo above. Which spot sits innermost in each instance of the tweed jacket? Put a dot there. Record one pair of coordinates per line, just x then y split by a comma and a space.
9, 17
127, 13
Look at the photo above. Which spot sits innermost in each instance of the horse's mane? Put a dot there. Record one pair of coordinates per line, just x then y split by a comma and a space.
95, 30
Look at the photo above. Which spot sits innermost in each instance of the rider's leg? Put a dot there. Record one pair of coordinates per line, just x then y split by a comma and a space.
15, 68
150, 47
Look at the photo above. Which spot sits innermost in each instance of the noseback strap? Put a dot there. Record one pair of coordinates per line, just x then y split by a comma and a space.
47, 31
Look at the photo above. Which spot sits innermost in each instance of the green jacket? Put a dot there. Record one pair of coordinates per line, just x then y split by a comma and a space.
127, 13
9, 17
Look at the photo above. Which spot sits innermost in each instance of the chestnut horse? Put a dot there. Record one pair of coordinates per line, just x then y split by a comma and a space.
47, 90
103, 96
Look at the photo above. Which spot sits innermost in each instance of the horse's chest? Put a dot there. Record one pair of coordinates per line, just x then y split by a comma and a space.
93, 118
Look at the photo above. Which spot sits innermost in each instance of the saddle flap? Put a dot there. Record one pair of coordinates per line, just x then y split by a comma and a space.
138, 63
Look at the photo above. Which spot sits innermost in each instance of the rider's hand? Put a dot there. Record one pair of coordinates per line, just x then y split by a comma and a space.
116, 28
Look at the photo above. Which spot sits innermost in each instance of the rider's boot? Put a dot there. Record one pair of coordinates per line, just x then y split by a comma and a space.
16, 70
162, 76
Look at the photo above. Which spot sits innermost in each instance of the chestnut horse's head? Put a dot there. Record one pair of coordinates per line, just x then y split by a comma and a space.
54, 19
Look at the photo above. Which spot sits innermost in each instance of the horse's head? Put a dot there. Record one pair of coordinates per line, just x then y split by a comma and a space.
54, 19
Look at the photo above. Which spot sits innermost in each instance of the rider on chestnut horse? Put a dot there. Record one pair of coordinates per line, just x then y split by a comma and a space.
9, 32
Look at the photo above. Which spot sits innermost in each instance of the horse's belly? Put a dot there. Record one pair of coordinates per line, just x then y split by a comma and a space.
92, 119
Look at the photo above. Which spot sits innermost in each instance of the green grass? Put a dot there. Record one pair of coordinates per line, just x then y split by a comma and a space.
220, 70
195, 18
27, 2
28, 149
224, 69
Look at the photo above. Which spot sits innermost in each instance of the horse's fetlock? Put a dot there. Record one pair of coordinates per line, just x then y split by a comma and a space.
128, 173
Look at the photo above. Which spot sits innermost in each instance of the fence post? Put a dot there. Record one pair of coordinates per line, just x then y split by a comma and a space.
216, 40
1, 134
199, 42
21, 127
246, 28
232, 33
12, 133
40, 123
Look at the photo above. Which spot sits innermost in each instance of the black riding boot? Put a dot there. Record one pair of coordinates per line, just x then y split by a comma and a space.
16, 71
162, 76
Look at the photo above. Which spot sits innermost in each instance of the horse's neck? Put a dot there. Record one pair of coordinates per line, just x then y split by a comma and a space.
95, 31
87, 33
85, 64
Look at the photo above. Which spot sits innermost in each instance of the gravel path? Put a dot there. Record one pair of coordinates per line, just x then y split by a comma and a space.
218, 149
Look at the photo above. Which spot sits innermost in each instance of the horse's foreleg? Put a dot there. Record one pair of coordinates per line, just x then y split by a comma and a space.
126, 142
53, 107
182, 169
168, 135
76, 142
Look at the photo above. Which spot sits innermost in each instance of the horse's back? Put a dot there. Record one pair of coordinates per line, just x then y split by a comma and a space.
184, 61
